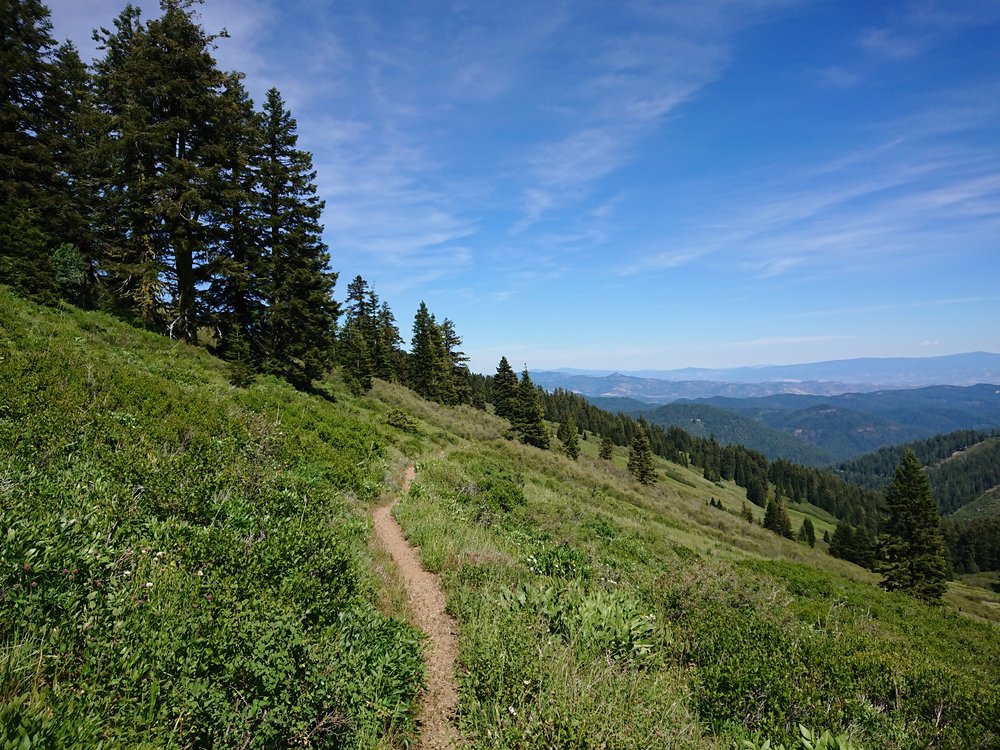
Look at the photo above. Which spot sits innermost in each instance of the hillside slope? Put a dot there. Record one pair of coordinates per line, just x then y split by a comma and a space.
961, 467
184, 563
592, 611
729, 427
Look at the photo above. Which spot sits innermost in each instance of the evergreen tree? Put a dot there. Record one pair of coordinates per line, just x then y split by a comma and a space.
428, 366
72, 142
745, 513
504, 390
607, 448
302, 314
807, 533
353, 354
237, 292
528, 421
460, 387
911, 548
776, 518
160, 91
26, 167
640, 457
571, 439
389, 364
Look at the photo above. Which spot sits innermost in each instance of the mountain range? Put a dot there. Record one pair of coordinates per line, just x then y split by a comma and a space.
862, 374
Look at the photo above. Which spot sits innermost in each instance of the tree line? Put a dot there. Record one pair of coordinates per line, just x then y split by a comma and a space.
149, 184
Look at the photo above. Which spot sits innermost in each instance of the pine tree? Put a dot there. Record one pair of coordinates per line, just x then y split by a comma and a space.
460, 390
353, 354
528, 421
428, 366
911, 548
571, 439
302, 314
504, 390
238, 270
26, 167
389, 365
607, 448
640, 457
776, 518
745, 513
807, 533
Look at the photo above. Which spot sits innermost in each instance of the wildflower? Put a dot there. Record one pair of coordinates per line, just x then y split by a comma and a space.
65, 571
209, 597
27, 568
127, 573
17, 586
34, 584
148, 584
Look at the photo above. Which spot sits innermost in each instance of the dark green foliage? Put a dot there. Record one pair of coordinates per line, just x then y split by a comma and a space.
746, 514
911, 548
493, 492
401, 421
159, 92
640, 458
504, 390
972, 545
607, 448
807, 533
855, 544
237, 294
430, 369
569, 437
528, 420
961, 466
301, 313
776, 518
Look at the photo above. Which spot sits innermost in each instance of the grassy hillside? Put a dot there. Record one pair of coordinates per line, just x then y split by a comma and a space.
182, 563
203, 577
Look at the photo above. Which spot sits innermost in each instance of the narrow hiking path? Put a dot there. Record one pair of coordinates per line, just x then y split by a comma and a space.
426, 601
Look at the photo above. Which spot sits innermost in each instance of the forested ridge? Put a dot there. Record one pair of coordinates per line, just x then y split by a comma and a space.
961, 467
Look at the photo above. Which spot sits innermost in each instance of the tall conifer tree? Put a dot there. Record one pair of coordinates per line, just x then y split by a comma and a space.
302, 313
504, 390
26, 167
640, 457
911, 547
239, 268
528, 421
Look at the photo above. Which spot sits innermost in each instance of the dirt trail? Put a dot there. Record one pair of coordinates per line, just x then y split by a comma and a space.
426, 602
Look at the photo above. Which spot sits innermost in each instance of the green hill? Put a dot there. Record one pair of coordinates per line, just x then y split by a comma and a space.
732, 429
961, 467
187, 564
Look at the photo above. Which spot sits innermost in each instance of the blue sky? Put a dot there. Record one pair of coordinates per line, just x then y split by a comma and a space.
633, 185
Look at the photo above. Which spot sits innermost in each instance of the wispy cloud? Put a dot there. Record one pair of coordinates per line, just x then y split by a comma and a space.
867, 309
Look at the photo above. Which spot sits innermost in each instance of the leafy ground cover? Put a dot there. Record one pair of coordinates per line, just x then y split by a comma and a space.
187, 564
182, 563
598, 614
